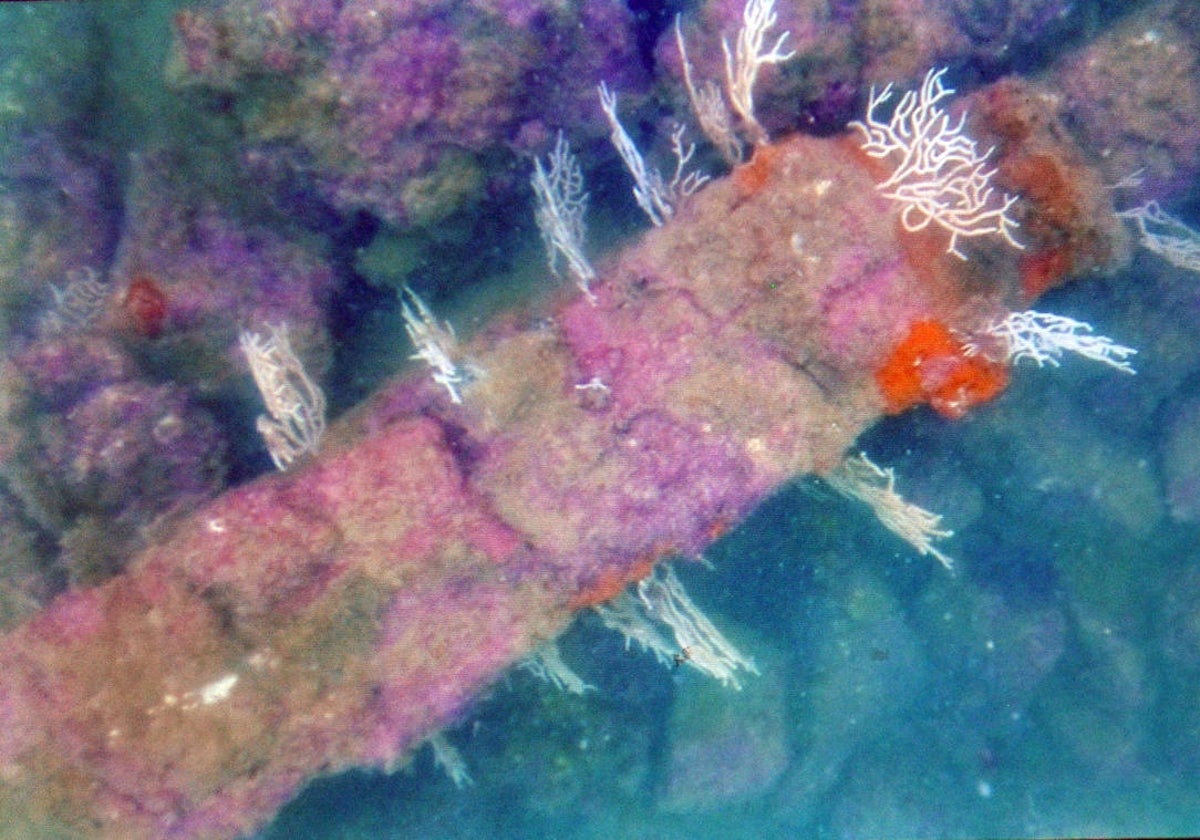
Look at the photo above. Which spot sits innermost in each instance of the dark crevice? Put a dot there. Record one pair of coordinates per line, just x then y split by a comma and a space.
651, 18
464, 449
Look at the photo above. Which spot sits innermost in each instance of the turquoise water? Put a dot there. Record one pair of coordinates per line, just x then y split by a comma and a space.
1048, 686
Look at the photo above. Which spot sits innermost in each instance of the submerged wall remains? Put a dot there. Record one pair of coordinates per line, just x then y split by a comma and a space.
339, 614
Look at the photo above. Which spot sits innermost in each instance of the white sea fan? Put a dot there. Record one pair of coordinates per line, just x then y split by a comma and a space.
939, 176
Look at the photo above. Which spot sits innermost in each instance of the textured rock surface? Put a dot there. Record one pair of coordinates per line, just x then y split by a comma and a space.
339, 614
402, 109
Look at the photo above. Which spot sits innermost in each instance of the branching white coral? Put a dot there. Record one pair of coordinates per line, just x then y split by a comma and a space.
76, 304
1166, 235
860, 478
546, 663
654, 194
561, 204
661, 598
624, 614
747, 57
1044, 337
1131, 181
436, 345
939, 177
709, 107
295, 418
450, 760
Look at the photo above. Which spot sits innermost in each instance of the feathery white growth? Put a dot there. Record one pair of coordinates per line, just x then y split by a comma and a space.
939, 175
1044, 337
662, 598
295, 418
683, 184
436, 344
77, 303
709, 107
1166, 235
447, 757
743, 62
1131, 181
624, 614
656, 196
858, 477
561, 204
546, 663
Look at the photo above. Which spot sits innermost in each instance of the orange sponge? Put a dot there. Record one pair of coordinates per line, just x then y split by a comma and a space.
931, 366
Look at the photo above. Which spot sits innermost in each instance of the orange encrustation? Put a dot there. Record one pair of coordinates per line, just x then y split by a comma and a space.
750, 177
1043, 270
931, 366
612, 581
145, 302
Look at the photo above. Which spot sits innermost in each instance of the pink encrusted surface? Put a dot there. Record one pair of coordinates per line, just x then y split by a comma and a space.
355, 602
339, 614
402, 108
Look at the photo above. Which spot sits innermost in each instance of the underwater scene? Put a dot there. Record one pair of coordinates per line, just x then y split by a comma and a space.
576, 419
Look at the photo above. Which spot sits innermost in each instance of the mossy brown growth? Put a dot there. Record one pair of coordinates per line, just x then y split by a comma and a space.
1068, 226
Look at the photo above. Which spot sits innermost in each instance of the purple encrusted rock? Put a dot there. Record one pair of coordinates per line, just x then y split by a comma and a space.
55, 201
116, 462
1133, 96
995, 27
62, 368
398, 108
189, 276
134, 450
23, 587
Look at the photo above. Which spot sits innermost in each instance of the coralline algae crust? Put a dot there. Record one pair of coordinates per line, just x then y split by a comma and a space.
338, 614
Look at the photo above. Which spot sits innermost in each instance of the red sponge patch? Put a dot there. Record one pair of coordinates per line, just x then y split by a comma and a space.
931, 366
